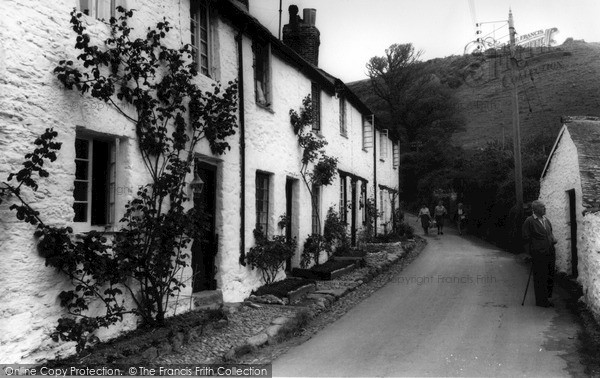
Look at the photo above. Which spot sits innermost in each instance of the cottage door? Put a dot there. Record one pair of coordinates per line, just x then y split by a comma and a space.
204, 249
289, 197
573, 224
353, 215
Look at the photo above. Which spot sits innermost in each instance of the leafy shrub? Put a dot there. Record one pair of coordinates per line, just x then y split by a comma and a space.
407, 230
313, 246
269, 256
334, 232
281, 288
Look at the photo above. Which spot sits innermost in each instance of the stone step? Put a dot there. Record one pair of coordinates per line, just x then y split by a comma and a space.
208, 299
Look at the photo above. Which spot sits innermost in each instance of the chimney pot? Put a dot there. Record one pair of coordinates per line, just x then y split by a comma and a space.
310, 16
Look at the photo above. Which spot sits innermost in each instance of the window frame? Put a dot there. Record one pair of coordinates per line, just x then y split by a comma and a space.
93, 8
316, 210
110, 193
396, 155
366, 141
315, 95
383, 144
261, 52
343, 197
196, 27
343, 116
264, 199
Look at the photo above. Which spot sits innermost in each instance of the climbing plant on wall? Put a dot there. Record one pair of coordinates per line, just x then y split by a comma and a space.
317, 169
172, 115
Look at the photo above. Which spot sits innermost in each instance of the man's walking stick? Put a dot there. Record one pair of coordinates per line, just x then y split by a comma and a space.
527, 287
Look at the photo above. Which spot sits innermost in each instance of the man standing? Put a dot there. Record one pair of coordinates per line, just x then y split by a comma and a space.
539, 242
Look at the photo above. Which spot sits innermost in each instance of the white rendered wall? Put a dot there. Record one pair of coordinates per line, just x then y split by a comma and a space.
36, 36
31, 99
562, 175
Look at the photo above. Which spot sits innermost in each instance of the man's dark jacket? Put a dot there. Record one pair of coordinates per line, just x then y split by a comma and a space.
539, 239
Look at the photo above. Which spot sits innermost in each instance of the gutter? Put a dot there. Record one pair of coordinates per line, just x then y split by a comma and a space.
374, 173
239, 39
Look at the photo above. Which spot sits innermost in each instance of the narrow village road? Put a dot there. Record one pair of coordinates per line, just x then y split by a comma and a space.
455, 311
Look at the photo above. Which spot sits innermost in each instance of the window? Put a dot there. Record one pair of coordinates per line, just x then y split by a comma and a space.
316, 226
100, 9
316, 103
383, 144
382, 206
262, 73
363, 201
396, 154
262, 202
200, 35
367, 133
95, 181
343, 128
343, 198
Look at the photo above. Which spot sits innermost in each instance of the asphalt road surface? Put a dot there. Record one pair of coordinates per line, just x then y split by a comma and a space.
455, 311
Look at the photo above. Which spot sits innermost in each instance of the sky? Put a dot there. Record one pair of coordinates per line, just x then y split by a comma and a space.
353, 31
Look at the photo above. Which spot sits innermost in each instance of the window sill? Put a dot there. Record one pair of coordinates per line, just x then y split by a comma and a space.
266, 107
81, 228
345, 135
382, 160
365, 150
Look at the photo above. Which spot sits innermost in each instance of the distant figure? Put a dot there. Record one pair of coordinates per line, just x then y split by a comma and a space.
461, 217
539, 243
439, 213
425, 218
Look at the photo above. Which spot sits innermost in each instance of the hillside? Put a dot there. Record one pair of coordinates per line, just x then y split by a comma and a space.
563, 80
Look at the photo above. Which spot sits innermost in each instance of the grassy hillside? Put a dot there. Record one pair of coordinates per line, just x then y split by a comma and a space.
564, 80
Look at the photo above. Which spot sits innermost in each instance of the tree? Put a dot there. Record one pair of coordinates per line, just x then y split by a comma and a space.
324, 169
172, 115
419, 108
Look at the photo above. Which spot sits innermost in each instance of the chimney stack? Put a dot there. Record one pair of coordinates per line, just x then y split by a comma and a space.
302, 35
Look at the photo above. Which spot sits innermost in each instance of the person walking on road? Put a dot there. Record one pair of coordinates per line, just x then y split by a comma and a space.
440, 212
539, 243
461, 217
425, 218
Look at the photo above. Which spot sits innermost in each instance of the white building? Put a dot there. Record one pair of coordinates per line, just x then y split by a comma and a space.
569, 187
258, 180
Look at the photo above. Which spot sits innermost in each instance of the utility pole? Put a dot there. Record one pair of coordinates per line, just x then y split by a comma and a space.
515, 121
279, 30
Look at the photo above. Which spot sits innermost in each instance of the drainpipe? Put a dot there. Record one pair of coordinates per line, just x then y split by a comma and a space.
239, 39
374, 173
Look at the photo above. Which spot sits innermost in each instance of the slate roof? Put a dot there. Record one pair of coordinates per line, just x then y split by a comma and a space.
585, 133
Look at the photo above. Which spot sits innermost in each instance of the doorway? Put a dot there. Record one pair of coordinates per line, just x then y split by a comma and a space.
573, 224
289, 208
353, 213
204, 248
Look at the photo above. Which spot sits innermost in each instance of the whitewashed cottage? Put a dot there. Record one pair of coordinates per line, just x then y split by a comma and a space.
256, 182
570, 188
